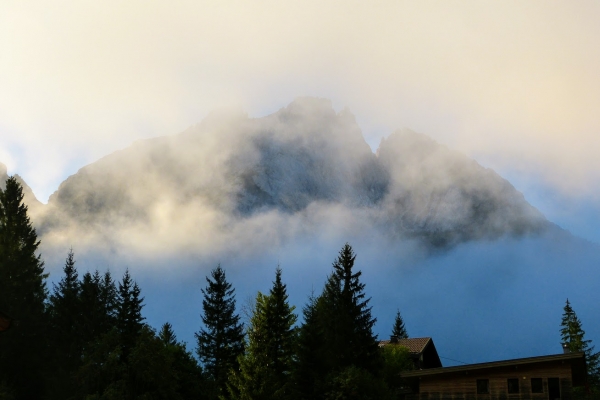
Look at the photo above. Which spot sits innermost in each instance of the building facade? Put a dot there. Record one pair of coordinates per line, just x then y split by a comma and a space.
537, 378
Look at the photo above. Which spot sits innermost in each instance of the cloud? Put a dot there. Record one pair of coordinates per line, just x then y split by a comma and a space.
254, 193
514, 84
481, 301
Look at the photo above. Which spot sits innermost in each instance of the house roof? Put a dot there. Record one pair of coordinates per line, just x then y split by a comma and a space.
577, 361
414, 345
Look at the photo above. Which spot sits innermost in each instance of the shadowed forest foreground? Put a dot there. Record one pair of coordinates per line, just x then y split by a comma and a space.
86, 338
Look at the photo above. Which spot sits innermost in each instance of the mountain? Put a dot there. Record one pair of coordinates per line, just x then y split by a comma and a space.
452, 244
304, 154
34, 205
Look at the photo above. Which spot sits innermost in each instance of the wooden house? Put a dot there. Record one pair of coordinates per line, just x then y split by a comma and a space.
537, 378
422, 351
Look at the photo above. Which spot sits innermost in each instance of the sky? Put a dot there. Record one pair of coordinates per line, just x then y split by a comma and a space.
512, 84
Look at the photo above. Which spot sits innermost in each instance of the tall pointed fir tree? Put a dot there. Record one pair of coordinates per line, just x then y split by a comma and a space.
266, 367
65, 333
220, 341
348, 324
91, 319
108, 300
167, 335
309, 368
336, 341
399, 330
22, 296
573, 336
129, 312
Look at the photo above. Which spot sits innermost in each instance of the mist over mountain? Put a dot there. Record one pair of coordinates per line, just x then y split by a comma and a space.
285, 172
34, 205
452, 244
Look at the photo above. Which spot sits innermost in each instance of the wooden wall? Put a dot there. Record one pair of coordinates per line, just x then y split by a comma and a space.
463, 385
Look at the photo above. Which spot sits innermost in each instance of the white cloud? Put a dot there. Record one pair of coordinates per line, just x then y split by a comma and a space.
511, 82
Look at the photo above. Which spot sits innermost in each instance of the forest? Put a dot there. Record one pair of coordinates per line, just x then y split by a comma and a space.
85, 338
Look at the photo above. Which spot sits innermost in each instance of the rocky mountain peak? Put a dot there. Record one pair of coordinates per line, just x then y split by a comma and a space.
240, 168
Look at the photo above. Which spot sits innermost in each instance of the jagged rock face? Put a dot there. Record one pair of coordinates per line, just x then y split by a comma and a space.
303, 154
307, 153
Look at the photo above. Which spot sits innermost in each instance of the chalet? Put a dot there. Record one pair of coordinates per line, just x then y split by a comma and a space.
544, 378
422, 351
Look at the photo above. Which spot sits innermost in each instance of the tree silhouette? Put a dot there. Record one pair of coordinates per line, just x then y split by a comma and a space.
399, 330
266, 367
220, 341
22, 296
573, 336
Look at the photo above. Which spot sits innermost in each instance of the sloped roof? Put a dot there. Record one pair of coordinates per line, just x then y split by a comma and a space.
414, 345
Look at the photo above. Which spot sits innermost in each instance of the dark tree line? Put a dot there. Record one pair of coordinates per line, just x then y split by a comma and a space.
22, 296
84, 340
87, 338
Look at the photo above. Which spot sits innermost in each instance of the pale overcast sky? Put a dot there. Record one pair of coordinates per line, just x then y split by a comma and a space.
513, 84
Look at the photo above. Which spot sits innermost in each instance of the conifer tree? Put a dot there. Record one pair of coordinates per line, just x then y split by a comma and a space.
129, 312
107, 300
336, 340
252, 381
167, 335
65, 323
266, 367
220, 341
190, 380
346, 318
280, 328
309, 368
399, 330
92, 318
573, 335
64, 305
22, 296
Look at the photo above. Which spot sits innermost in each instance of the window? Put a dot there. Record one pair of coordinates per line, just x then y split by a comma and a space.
553, 388
483, 386
513, 385
536, 385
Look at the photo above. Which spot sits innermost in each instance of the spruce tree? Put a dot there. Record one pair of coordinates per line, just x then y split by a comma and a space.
266, 367
220, 341
346, 318
309, 367
252, 380
399, 330
167, 335
64, 307
129, 312
336, 339
92, 318
22, 296
107, 300
281, 338
65, 331
573, 336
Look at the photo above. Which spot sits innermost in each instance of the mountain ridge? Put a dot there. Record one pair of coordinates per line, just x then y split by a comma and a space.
235, 167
